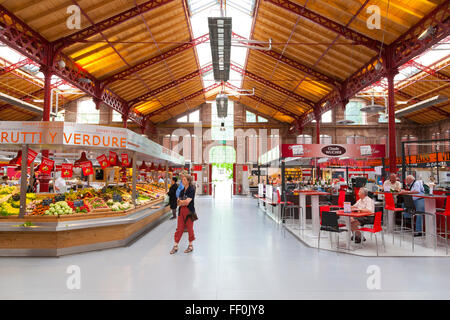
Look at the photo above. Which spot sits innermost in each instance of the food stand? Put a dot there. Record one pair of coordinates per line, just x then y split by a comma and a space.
103, 212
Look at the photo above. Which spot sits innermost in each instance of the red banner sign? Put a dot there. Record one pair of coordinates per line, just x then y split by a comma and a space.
87, 168
124, 158
333, 150
46, 165
103, 161
31, 156
66, 170
112, 158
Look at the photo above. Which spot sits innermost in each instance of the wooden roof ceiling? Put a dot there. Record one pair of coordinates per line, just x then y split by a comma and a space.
165, 27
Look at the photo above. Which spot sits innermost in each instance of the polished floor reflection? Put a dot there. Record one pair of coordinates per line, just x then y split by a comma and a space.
240, 254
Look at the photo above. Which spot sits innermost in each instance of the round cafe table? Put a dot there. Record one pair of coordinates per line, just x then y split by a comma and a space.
348, 215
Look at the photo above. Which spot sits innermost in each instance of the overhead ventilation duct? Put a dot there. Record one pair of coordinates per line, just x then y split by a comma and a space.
220, 40
222, 105
421, 105
22, 104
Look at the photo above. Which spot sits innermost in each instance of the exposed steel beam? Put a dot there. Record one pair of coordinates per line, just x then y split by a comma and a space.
16, 65
329, 24
170, 85
153, 60
428, 70
108, 23
180, 101
267, 103
405, 48
271, 85
20, 37
319, 76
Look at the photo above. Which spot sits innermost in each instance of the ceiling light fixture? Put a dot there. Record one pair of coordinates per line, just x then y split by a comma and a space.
430, 31
222, 105
420, 105
220, 41
345, 122
85, 80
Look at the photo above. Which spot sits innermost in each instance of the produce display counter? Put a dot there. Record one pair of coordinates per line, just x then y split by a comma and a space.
57, 236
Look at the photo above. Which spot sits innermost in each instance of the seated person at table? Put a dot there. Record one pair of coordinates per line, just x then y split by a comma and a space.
364, 204
415, 185
392, 184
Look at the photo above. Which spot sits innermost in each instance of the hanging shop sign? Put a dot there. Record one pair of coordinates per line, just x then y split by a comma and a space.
46, 165
103, 161
124, 159
87, 168
66, 170
112, 158
82, 135
31, 156
333, 150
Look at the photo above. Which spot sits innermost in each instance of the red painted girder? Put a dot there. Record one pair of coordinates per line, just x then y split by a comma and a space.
428, 70
293, 63
408, 46
17, 65
329, 24
265, 102
149, 62
271, 85
169, 85
113, 21
188, 97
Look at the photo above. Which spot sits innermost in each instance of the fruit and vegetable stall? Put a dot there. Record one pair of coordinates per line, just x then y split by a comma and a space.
95, 214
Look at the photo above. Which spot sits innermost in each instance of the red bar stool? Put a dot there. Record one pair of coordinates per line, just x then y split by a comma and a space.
444, 213
389, 205
375, 229
341, 201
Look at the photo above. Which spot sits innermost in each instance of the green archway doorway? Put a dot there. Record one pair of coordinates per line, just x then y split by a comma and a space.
222, 159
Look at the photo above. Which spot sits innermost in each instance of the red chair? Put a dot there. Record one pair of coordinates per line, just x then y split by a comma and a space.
389, 204
341, 201
444, 213
327, 209
375, 229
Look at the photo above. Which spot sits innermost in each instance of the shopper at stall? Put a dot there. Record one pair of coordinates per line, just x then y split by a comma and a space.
416, 185
173, 197
364, 204
186, 215
180, 187
5, 180
161, 180
392, 184
60, 183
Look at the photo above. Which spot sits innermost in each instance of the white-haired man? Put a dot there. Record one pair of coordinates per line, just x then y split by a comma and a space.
364, 204
392, 184
415, 185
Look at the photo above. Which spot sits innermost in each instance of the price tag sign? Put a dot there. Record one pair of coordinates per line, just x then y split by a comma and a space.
47, 202
60, 197
78, 203
117, 197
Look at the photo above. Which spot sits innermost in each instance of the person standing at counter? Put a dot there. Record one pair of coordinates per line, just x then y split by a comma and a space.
364, 204
415, 185
187, 214
392, 184
60, 183
173, 197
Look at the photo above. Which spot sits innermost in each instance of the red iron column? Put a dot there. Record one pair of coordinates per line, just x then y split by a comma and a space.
391, 126
45, 178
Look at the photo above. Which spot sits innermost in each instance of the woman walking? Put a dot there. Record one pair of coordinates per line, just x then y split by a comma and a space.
173, 197
186, 215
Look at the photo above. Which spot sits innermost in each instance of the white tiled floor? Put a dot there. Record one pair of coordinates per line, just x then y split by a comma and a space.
239, 254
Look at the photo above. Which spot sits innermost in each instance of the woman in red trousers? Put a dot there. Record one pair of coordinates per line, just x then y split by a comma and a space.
186, 215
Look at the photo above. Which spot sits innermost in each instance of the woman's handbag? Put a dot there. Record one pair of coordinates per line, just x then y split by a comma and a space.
192, 215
